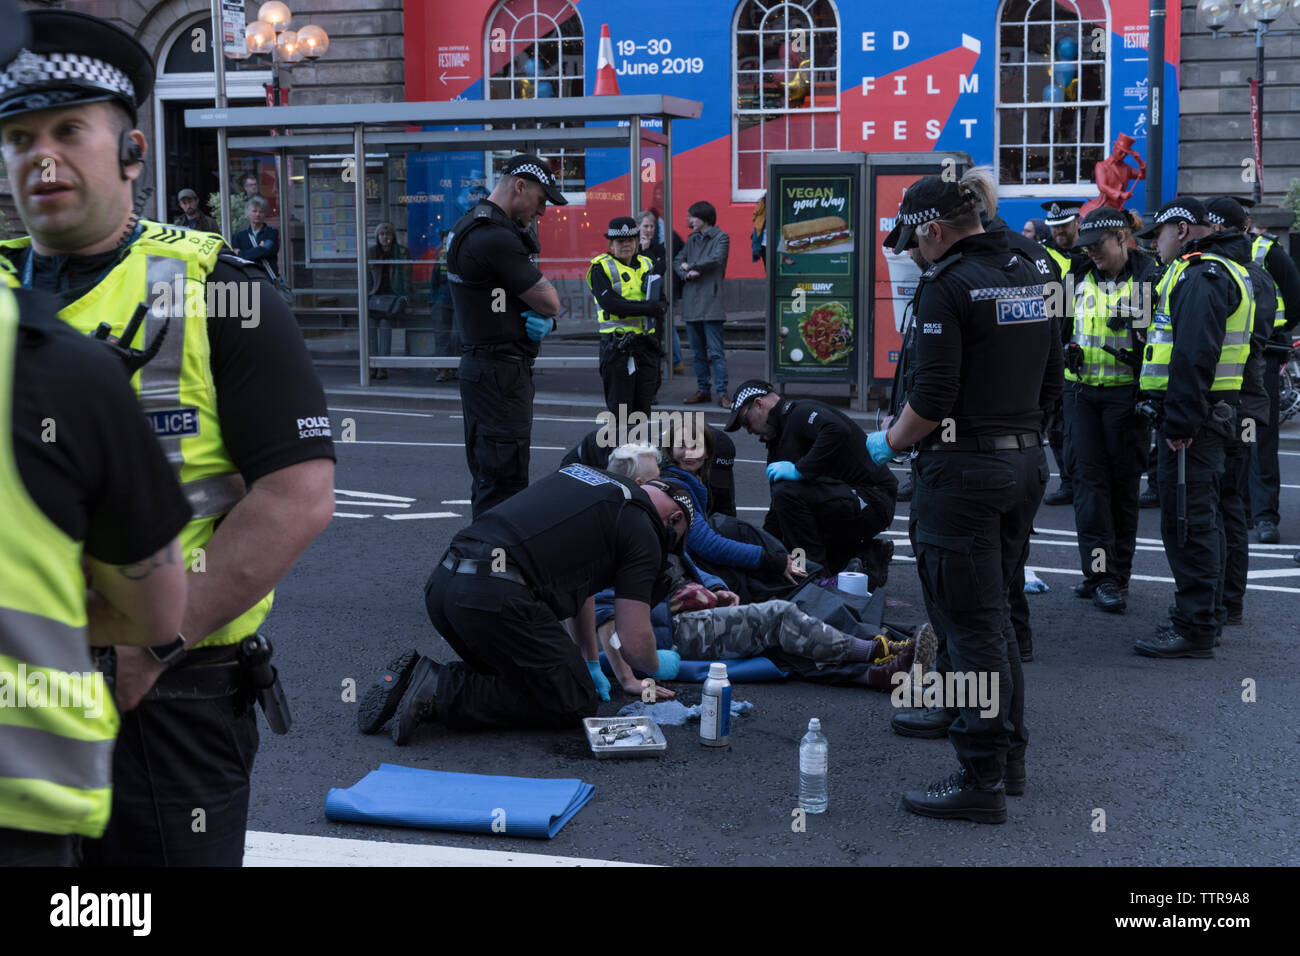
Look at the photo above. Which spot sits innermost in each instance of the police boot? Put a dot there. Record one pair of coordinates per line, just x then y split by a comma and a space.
1085, 588
1165, 631
1267, 532
875, 561
905, 490
417, 706
957, 798
1063, 495
924, 722
382, 697
1107, 596
1014, 778
1171, 644
1149, 498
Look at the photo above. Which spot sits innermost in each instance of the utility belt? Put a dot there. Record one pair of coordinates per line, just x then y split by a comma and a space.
986, 443
482, 567
634, 343
500, 352
1223, 415
211, 673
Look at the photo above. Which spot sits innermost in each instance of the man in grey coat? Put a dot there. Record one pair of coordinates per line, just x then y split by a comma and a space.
701, 266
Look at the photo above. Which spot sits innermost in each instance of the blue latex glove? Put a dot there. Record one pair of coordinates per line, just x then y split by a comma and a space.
537, 327
599, 679
783, 471
878, 447
670, 663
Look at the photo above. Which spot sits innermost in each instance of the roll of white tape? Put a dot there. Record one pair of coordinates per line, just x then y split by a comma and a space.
854, 582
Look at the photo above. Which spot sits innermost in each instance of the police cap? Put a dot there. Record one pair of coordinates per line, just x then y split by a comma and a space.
528, 166
1226, 212
1097, 223
74, 58
927, 199
622, 227
1181, 209
748, 391
1061, 211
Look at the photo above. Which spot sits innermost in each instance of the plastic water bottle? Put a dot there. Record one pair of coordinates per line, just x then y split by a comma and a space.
715, 707
813, 751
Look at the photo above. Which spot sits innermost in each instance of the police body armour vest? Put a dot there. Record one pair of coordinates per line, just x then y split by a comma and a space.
1236, 339
1259, 252
628, 282
484, 313
1094, 304
167, 268
560, 532
57, 719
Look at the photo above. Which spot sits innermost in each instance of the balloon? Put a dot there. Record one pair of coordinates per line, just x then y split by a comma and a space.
545, 88
1067, 49
1053, 93
1064, 73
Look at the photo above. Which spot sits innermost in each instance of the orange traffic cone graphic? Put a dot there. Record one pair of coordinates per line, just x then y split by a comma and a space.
606, 77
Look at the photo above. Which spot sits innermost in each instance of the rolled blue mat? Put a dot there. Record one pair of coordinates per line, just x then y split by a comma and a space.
748, 670
469, 802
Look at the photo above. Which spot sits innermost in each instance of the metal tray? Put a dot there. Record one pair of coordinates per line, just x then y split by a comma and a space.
655, 741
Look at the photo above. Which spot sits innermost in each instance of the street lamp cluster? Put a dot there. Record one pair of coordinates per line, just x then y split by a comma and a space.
1255, 15
270, 34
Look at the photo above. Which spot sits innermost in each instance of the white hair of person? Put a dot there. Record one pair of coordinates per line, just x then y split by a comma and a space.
635, 460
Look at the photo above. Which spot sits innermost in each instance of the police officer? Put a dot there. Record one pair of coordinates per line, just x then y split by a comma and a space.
1252, 410
625, 314
1108, 438
1063, 219
504, 307
981, 468
1192, 367
513, 593
828, 498
256, 466
1265, 477
78, 481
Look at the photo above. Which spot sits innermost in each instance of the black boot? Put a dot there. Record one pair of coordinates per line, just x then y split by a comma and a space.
957, 798
905, 490
927, 722
1168, 644
1107, 597
875, 561
1063, 495
417, 706
381, 698
1014, 778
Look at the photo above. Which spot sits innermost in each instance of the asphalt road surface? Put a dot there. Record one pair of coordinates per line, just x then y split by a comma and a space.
1131, 760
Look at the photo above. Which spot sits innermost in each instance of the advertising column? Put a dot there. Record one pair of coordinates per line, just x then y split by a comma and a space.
814, 307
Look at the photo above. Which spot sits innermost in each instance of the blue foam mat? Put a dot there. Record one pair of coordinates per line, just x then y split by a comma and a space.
433, 799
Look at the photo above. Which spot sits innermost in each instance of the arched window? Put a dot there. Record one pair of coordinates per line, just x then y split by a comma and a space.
786, 85
534, 49
1053, 66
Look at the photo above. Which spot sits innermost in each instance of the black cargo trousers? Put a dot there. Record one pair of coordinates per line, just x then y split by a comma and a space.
496, 393
974, 512
519, 667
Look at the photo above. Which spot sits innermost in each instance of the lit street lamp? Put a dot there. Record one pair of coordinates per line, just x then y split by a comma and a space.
1257, 17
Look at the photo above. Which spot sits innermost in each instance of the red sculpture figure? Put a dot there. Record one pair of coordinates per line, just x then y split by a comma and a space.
1112, 174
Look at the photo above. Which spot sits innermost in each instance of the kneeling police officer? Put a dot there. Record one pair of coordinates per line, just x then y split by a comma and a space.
513, 594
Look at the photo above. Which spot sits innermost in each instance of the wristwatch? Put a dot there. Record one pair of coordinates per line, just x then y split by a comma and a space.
169, 653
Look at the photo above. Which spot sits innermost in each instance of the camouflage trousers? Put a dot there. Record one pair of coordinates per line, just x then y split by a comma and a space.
749, 629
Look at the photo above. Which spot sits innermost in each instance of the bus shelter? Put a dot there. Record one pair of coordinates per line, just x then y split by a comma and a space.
344, 171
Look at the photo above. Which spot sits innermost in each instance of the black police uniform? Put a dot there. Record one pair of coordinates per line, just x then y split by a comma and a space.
1265, 476
1253, 411
981, 312
104, 481
488, 252
1107, 445
1200, 304
500, 592
1034, 254
844, 499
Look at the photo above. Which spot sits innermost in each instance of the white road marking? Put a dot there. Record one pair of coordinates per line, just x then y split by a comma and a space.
428, 514
1274, 573
372, 494
439, 444
456, 501
375, 411
294, 849
374, 504
344, 514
